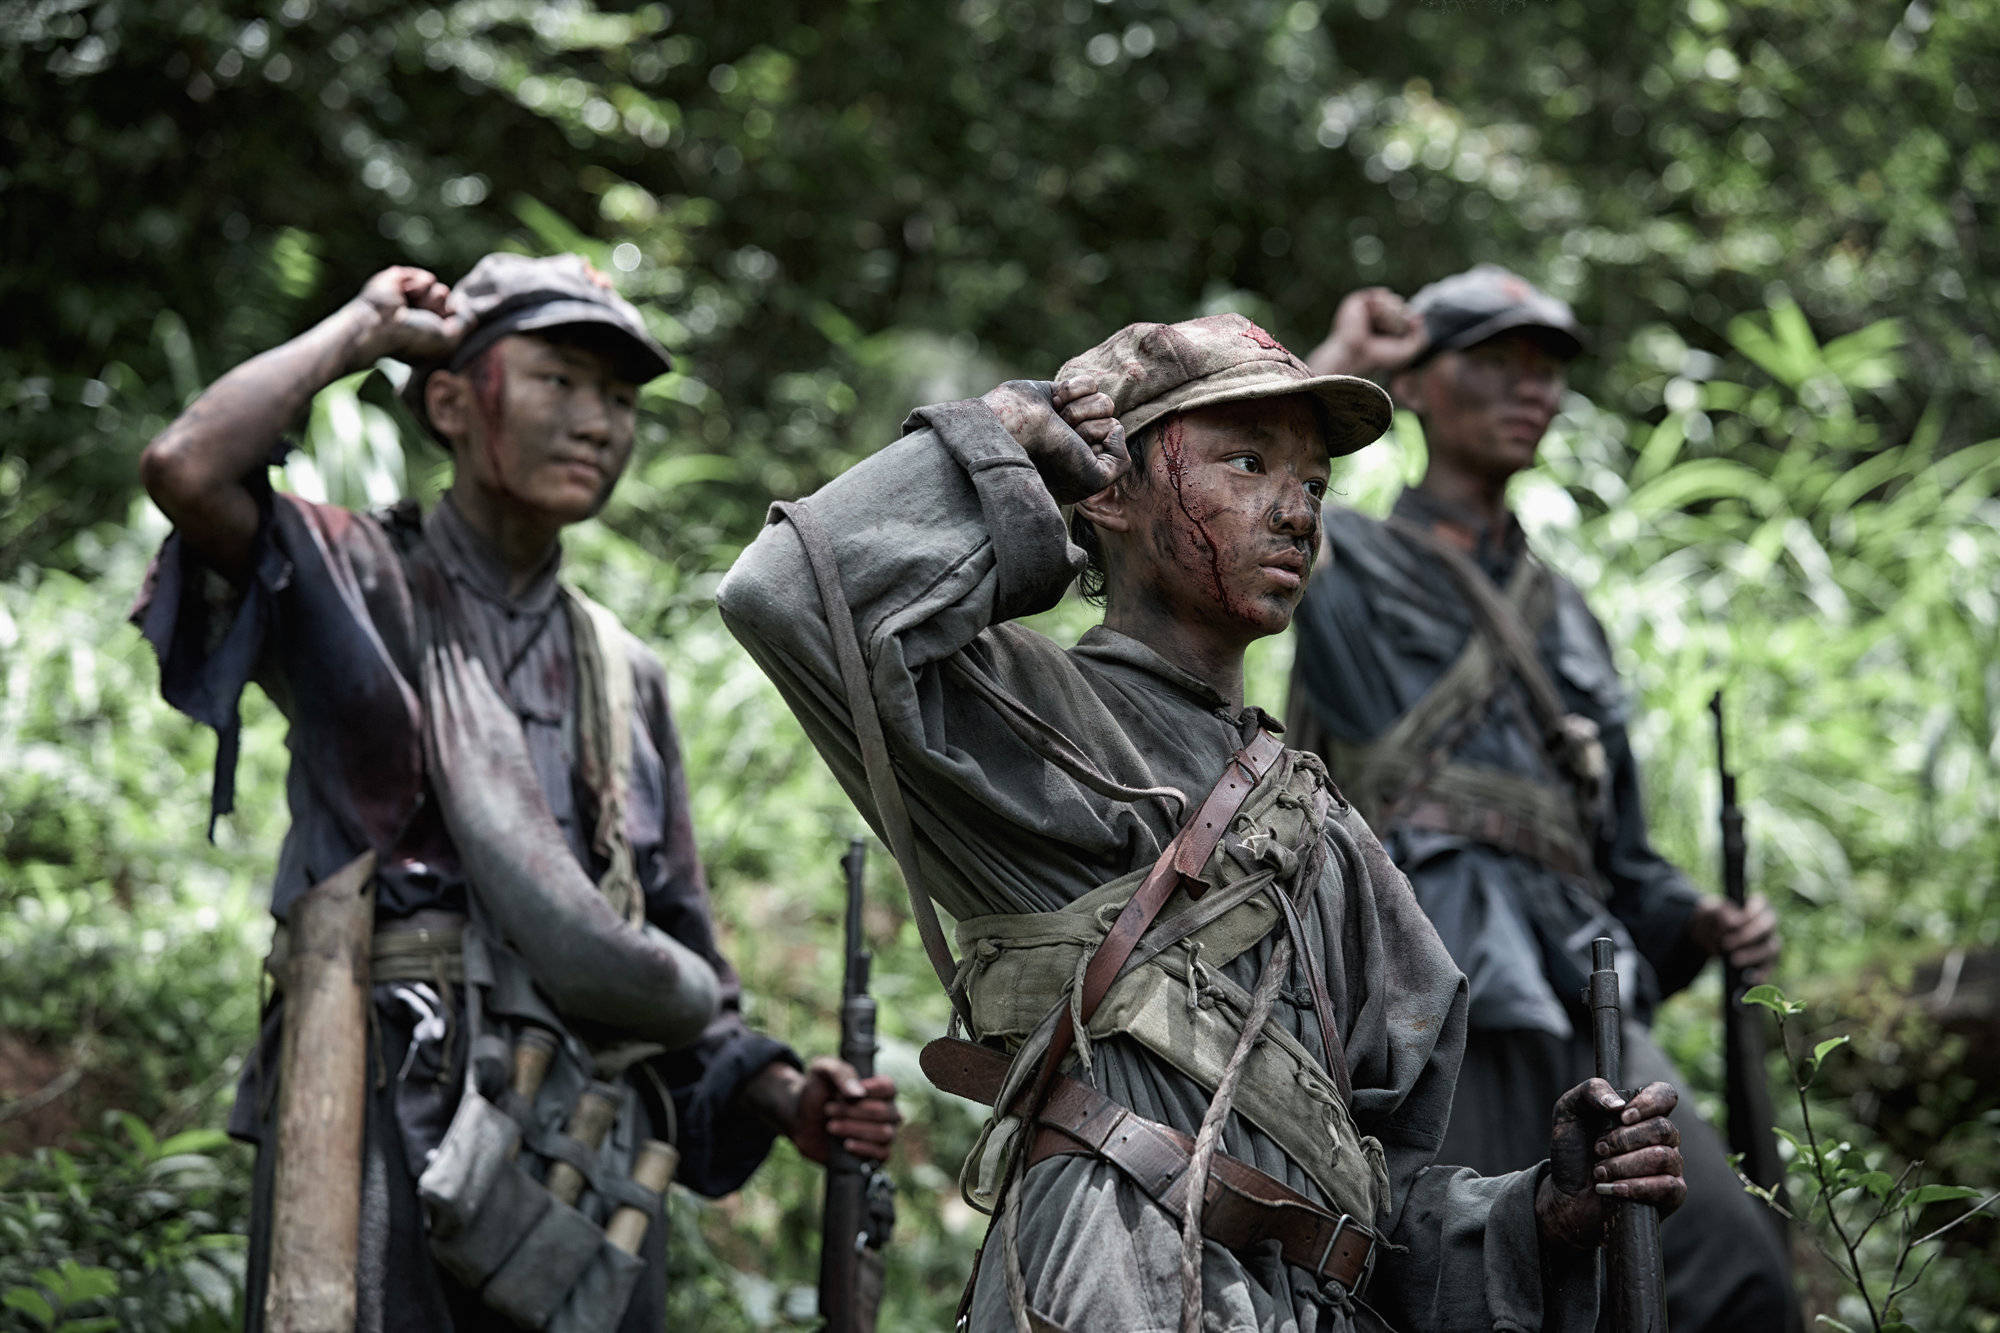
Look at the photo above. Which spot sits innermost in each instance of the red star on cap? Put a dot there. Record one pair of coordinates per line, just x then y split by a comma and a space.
1262, 339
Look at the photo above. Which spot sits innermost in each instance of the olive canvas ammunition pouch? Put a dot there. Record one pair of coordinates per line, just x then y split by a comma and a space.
496, 1224
1020, 970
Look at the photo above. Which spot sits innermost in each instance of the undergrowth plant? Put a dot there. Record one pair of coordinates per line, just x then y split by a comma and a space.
1850, 1199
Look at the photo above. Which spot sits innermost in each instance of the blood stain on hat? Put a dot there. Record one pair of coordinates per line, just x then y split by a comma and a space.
1262, 339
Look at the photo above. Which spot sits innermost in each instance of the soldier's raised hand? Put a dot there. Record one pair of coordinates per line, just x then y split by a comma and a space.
1373, 334
409, 317
1069, 430
1603, 1147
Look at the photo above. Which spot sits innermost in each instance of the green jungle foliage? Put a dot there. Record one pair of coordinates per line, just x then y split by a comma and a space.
1777, 476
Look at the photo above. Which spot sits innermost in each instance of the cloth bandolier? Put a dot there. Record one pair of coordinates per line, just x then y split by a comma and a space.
1408, 775
1033, 986
538, 1251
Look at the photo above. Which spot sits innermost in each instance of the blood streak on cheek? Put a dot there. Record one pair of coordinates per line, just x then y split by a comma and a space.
489, 397
1173, 453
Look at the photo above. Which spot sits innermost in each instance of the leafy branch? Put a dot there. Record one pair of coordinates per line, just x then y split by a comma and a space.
1835, 1170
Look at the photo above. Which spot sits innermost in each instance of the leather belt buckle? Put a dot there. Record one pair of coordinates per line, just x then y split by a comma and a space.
1367, 1264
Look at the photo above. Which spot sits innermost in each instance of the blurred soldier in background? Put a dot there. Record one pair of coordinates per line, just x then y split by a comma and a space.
1464, 697
548, 999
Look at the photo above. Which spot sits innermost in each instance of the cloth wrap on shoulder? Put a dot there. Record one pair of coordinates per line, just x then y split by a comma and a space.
1021, 973
545, 948
597, 960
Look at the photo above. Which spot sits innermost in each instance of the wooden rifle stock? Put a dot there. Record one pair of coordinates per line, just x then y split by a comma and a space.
322, 1091
1636, 1286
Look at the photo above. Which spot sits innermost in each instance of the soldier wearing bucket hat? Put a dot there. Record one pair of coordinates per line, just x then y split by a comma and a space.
1466, 700
1068, 806
542, 956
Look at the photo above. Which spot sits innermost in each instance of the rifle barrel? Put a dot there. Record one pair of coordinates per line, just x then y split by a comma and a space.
1746, 1091
849, 1294
1636, 1290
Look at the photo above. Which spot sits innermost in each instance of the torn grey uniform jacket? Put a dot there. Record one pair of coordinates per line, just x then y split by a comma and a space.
941, 540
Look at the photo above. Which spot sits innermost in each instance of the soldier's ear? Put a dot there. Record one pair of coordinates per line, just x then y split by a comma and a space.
1410, 388
1405, 389
1110, 509
448, 403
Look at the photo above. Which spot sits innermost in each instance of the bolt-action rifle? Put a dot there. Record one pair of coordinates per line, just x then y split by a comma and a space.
1746, 1090
1636, 1283
860, 1198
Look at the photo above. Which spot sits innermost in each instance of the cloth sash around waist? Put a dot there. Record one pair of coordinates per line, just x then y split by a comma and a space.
426, 946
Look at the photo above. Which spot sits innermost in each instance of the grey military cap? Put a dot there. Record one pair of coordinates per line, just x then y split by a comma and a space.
1483, 302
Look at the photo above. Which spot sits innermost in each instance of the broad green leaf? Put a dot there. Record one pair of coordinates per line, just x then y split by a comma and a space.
1877, 1183
194, 1141
136, 1129
1821, 1049
30, 1303
1929, 1194
1770, 997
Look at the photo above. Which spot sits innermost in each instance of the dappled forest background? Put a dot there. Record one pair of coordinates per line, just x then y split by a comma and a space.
1777, 474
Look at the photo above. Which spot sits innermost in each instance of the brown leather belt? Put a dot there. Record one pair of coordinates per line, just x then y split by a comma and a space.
1241, 1207
1496, 829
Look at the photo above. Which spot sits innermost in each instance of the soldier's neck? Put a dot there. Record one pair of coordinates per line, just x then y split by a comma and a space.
1480, 497
1194, 648
521, 538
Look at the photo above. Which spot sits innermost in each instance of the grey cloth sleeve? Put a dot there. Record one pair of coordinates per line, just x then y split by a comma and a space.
937, 538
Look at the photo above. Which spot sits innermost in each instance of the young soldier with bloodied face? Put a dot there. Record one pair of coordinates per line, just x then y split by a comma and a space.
1224, 1035
1503, 783
506, 753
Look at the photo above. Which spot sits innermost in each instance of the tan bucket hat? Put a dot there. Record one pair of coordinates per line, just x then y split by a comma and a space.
1150, 370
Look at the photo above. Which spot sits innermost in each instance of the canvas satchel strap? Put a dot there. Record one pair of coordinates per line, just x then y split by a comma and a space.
604, 743
890, 807
1405, 759
1503, 624
1180, 863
